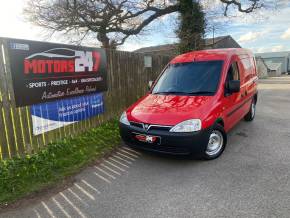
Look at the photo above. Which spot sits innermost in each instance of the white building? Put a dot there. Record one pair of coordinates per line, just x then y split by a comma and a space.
277, 57
274, 69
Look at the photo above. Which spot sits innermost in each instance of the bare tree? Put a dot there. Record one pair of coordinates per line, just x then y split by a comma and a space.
110, 21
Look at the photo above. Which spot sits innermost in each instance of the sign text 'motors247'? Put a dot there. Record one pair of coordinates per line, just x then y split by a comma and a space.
44, 72
83, 61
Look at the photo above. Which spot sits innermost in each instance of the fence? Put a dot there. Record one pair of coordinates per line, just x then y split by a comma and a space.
127, 81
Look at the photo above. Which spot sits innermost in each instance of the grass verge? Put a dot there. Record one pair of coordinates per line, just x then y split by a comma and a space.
22, 176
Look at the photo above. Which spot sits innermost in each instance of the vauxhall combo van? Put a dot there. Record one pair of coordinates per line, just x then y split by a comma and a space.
197, 99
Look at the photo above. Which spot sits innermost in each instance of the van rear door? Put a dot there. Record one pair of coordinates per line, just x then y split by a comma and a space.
248, 67
252, 86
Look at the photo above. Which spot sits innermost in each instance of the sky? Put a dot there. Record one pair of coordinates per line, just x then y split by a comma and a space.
266, 31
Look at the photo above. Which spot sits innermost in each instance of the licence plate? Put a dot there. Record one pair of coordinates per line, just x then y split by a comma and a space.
147, 138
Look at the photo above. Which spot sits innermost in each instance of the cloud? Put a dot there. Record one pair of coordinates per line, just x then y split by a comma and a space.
260, 49
277, 48
286, 34
251, 36
130, 46
282, 3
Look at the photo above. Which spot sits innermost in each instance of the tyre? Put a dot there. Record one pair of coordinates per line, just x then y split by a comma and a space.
216, 143
250, 116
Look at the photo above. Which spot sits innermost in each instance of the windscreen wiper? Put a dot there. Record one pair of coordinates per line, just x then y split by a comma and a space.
200, 93
184, 93
168, 93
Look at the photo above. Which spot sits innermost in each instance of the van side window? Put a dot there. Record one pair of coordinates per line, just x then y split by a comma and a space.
233, 73
254, 63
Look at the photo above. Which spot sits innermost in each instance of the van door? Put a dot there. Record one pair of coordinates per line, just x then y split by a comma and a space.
232, 101
249, 82
252, 86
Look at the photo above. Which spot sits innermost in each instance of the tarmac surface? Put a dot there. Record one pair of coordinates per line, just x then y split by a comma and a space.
250, 179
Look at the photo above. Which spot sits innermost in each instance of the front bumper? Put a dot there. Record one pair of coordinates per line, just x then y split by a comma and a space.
171, 143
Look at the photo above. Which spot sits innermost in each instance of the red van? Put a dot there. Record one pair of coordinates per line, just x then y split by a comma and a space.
192, 105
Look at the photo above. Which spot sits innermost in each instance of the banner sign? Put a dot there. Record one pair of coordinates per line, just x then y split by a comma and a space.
53, 115
43, 72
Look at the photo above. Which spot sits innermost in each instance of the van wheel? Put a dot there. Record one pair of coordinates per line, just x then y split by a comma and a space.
216, 143
252, 112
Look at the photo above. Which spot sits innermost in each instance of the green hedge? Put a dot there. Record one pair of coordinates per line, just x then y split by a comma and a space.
22, 176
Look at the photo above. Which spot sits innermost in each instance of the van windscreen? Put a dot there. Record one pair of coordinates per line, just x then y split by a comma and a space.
193, 78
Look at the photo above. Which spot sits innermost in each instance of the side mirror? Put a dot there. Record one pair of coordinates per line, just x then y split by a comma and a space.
150, 84
234, 86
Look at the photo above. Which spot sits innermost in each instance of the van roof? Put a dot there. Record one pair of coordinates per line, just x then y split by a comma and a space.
212, 54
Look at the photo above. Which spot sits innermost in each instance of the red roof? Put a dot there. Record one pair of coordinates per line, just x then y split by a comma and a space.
213, 54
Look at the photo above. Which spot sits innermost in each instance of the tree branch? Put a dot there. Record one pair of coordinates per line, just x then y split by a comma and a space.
108, 19
159, 13
255, 4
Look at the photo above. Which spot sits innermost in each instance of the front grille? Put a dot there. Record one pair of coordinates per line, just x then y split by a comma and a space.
151, 126
163, 128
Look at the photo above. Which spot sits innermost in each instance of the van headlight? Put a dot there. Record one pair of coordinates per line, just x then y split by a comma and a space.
124, 119
192, 125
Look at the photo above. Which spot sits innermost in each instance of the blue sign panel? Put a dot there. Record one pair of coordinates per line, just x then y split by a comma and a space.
52, 115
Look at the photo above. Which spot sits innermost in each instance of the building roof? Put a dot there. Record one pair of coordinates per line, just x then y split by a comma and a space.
212, 41
273, 54
168, 47
164, 47
273, 66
